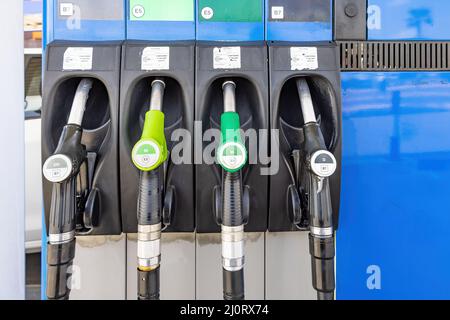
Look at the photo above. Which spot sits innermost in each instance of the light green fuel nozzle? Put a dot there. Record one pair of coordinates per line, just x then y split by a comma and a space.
151, 150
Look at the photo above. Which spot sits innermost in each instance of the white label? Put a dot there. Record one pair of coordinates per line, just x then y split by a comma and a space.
78, 58
207, 13
138, 11
278, 13
66, 9
156, 58
57, 168
304, 58
227, 58
146, 154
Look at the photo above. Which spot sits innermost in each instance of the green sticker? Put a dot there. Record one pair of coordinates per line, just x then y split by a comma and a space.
230, 10
146, 150
162, 10
232, 151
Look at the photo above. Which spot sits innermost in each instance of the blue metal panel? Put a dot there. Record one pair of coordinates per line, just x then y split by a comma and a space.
78, 28
408, 20
395, 212
282, 30
229, 31
159, 30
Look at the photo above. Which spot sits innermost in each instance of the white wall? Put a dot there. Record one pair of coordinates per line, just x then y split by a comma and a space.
12, 168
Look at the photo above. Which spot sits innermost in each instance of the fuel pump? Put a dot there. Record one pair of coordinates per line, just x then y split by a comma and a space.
231, 184
80, 120
305, 104
64, 170
319, 164
232, 156
149, 155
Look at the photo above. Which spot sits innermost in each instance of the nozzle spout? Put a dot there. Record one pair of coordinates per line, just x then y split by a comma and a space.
79, 101
156, 99
304, 93
229, 96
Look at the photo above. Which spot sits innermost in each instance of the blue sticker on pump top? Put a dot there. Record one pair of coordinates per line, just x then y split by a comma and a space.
86, 20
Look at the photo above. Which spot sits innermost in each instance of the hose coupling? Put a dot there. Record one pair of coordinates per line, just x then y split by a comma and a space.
149, 247
233, 257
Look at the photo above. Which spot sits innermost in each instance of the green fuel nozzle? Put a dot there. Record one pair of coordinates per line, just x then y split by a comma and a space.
151, 150
231, 154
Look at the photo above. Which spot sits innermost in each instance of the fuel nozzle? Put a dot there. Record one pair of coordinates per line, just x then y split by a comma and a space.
62, 169
148, 155
320, 164
232, 157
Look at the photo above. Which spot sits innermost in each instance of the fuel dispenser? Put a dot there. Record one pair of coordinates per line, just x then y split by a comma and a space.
392, 239
156, 129
305, 107
231, 96
80, 130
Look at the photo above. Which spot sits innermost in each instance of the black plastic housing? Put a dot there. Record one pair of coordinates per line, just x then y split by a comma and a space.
100, 122
178, 107
252, 105
286, 115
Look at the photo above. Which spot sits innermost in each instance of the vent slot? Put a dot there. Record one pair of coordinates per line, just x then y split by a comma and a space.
394, 56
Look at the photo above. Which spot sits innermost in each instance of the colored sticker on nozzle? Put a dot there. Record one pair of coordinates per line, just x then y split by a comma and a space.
146, 154
232, 156
57, 168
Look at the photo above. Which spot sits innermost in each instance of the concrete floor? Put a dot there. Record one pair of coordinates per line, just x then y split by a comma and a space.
33, 276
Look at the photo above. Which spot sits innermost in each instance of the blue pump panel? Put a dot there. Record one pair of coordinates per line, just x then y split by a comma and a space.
393, 240
299, 20
160, 20
408, 20
230, 20
85, 20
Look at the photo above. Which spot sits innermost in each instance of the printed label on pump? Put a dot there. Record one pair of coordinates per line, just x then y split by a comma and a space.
156, 58
304, 58
66, 9
78, 58
227, 58
277, 13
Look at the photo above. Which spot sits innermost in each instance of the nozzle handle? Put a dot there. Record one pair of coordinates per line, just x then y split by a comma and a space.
63, 209
150, 198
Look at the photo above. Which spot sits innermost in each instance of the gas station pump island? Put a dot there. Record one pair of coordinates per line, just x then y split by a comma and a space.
159, 117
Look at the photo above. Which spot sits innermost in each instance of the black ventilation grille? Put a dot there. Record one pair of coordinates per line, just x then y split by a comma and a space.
394, 56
